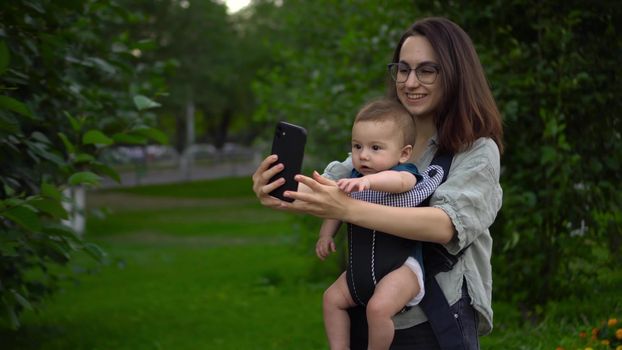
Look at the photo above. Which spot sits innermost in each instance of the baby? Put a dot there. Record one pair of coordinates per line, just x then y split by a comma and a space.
382, 142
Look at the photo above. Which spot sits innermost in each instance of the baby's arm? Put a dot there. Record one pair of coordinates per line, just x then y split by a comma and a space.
391, 181
325, 244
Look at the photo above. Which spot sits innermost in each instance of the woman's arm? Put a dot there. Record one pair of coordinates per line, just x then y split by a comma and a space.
418, 223
461, 209
327, 201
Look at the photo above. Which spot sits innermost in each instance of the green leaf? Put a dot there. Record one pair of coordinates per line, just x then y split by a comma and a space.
50, 206
146, 45
57, 251
23, 216
84, 158
10, 247
50, 191
13, 319
153, 134
96, 137
102, 65
9, 124
84, 178
8, 189
68, 145
39, 136
5, 57
14, 105
129, 139
548, 155
106, 170
75, 124
143, 102
42, 151
95, 251
21, 300
56, 229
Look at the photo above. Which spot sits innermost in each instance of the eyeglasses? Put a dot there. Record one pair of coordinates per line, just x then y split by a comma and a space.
425, 73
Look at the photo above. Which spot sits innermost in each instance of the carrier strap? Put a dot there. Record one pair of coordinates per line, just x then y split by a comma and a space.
434, 304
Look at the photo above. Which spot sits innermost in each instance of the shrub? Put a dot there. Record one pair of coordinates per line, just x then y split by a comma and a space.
69, 87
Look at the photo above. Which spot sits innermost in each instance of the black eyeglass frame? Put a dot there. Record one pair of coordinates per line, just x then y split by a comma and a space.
417, 70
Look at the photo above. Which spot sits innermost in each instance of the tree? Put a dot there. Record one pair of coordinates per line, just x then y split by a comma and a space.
213, 66
330, 58
69, 87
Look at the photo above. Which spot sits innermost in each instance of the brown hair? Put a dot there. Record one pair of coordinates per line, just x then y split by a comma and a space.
467, 110
383, 110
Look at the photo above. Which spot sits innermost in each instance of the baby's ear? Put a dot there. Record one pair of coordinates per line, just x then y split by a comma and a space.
406, 153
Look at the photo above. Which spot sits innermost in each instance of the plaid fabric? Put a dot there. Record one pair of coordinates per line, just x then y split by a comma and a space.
432, 177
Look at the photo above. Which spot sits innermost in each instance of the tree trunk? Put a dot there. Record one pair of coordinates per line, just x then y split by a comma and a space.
222, 128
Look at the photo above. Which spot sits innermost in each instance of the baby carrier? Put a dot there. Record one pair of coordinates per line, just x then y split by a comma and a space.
388, 252
373, 254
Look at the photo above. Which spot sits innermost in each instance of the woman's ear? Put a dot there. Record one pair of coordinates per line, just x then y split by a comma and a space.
406, 153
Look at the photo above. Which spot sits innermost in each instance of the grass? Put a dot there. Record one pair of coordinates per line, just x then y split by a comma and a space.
188, 269
183, 298
191, 267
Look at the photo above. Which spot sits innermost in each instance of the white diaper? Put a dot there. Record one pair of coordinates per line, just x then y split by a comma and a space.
414, 265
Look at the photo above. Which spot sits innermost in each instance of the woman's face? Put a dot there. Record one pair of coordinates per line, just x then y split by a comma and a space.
421, 100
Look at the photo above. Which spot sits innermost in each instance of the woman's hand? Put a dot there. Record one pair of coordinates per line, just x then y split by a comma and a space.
322, 198
317, 196
262, 188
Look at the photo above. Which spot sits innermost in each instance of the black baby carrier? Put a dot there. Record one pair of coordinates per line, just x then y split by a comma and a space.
389, 252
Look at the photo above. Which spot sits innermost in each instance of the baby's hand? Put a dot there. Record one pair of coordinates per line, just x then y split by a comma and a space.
324, 246
354, 185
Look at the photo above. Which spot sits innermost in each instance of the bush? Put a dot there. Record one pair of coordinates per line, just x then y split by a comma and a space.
69, 87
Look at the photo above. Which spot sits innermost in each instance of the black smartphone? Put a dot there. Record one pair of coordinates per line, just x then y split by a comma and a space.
289, 144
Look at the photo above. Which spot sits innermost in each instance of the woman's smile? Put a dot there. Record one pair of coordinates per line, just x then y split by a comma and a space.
415, 97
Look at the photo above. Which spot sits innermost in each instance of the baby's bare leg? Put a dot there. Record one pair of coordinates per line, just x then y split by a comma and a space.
337, 301
392, 293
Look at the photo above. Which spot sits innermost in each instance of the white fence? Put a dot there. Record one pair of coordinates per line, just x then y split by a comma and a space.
159, 165
162, 164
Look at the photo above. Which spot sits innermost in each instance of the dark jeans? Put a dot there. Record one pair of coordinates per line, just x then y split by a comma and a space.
421, 337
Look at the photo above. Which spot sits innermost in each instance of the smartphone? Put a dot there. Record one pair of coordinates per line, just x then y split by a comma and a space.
289, 144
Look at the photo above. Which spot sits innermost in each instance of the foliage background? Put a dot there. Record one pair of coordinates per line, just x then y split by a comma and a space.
80, 76
556, 78
69, 88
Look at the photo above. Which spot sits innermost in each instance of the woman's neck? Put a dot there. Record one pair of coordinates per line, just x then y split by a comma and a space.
425, 129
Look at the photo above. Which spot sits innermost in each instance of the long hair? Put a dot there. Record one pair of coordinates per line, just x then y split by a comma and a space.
467, 110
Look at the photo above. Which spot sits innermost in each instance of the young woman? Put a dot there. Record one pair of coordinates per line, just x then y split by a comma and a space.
436, 74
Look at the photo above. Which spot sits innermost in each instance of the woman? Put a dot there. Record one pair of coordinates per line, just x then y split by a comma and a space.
438, 77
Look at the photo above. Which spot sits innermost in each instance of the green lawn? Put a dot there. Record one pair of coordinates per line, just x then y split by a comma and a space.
203, 266
193, 271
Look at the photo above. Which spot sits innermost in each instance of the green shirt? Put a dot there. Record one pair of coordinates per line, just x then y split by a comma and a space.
471, 197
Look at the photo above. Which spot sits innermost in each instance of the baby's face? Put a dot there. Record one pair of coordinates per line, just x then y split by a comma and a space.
376, 146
